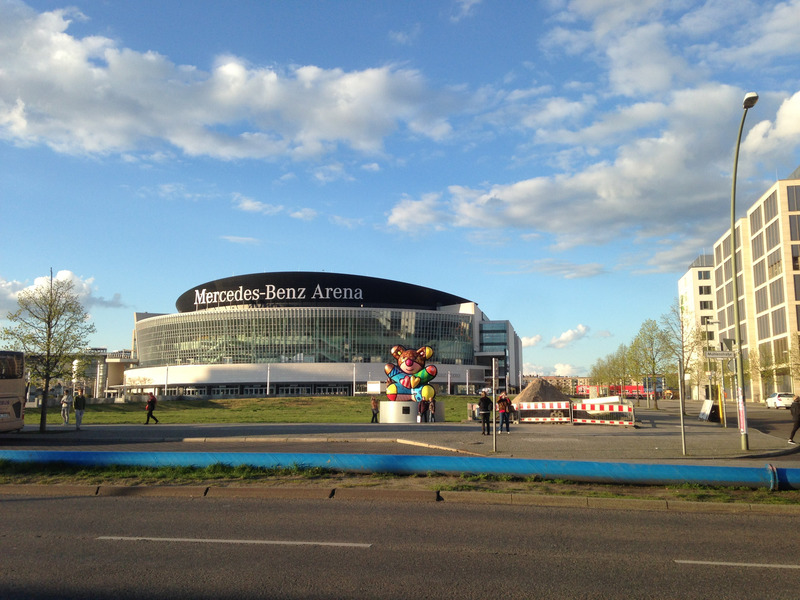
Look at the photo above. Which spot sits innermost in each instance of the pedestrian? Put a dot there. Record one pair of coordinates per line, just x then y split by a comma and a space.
432, 411
374, 410
485, 409
80, 405
66, 403
794, 407
422, 408
504, 408
150, 406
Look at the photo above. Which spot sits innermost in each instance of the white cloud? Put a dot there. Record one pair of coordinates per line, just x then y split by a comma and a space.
561, 268
246, 241
304, 214
563, 370
83, 288
406, 38
529, 342
569, 337
463, 9
89, 95
250, 205
416, 215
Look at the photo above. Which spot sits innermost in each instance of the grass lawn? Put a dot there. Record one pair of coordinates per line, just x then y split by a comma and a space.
295, 409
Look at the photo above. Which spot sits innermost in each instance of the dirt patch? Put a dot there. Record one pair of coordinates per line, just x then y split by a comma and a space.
540, 390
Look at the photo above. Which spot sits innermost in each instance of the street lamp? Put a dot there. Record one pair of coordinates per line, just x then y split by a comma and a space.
749, 102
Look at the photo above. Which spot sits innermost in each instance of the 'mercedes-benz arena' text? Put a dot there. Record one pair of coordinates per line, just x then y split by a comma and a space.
272, 293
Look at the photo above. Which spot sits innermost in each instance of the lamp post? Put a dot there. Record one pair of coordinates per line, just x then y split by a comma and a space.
749, 102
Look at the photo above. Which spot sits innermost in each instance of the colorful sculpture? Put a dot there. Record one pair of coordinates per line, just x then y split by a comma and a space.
409, 377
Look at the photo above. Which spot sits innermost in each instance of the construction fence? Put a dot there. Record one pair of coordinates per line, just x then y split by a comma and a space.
611, 411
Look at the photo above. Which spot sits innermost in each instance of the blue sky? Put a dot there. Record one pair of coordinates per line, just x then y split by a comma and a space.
560, 163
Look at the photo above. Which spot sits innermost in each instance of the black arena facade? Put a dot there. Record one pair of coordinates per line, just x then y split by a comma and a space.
309, 333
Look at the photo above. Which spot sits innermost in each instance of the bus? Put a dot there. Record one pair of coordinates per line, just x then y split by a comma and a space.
12, 390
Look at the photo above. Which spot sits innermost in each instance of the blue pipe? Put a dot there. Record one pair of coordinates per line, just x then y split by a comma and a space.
603, 472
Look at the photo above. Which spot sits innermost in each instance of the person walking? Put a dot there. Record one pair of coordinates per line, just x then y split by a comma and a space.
66, 403
504, 408
80, 405
150, 406
794, 407
485, 409
432, 411
374, 410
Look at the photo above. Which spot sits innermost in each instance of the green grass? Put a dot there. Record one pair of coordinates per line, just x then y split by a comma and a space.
296, 409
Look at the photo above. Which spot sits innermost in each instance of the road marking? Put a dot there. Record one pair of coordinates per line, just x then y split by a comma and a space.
736, 564
213, 541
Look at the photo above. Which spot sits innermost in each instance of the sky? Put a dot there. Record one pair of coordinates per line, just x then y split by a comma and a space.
559, 162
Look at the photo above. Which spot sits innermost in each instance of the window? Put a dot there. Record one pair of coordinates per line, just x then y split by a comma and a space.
774, 264
781, 346
762, 299
771, 207
755, 219
760, 273
778, 321
773, 235
757, 245
705, 290
793, 197
776, 292
706, 305
795, 257
797, 288
763, 327
704, 275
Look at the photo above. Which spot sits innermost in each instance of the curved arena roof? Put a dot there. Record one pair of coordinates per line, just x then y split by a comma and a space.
312, 289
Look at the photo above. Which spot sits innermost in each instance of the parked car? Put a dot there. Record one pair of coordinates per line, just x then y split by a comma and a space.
780, 400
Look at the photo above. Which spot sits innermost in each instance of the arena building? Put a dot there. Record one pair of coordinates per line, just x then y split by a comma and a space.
291, 333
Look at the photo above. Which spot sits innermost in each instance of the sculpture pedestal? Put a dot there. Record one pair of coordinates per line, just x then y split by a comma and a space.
405, 412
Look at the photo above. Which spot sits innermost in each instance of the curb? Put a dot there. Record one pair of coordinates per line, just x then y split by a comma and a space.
376, 494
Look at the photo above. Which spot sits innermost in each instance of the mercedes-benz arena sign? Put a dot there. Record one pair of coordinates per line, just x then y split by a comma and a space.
299, 288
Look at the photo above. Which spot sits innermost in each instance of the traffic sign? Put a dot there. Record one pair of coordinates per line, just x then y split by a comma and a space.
720, 354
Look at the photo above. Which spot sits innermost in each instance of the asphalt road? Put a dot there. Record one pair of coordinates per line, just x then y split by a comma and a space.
95, 547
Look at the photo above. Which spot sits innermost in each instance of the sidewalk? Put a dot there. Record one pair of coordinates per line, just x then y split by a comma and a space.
657, 438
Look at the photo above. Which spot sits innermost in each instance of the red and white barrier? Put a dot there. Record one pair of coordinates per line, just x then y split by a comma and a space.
594, 413
544, 412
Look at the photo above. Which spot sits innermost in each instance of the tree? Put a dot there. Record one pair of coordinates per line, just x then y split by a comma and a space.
649, 353
682, 339
51, 327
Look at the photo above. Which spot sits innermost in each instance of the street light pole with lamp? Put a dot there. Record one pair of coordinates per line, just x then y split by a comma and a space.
749, 102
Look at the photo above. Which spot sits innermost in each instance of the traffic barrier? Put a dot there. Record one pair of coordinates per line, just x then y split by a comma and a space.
609, 412
544, 412
604, 413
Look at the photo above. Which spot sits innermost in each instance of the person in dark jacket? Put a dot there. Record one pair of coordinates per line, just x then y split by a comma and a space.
150, 407
80, 405
485, 410
795, 409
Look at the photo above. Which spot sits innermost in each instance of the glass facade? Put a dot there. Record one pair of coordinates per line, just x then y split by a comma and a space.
301, 335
